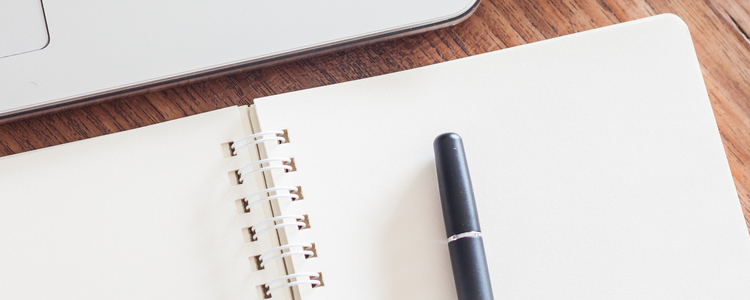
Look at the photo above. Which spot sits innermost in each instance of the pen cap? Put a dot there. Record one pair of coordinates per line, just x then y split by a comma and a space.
456, 193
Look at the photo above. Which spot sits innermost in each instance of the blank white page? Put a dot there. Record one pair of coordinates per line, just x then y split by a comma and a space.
597, 166
143, 214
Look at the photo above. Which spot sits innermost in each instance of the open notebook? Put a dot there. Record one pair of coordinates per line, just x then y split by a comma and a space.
597, 166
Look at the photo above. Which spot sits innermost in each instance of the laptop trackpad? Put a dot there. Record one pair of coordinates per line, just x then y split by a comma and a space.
22, 27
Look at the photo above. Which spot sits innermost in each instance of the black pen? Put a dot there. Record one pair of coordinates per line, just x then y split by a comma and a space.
461, 221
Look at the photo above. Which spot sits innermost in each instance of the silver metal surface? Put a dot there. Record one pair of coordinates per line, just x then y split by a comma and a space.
84, 64
470, 234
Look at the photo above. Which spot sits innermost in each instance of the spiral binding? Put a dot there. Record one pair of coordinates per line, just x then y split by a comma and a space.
271, 224
297, 223
244, 170
265, 256
290, 189
254, 141
309, 280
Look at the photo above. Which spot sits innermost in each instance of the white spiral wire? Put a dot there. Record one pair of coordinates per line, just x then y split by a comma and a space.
255, 139
257, 233
284, 247
257, 135
291, 190
273, 189
277, 226
258, 141
286, 254
292, 283
264, 257
263, 169
263, 161
293, 196
279, 218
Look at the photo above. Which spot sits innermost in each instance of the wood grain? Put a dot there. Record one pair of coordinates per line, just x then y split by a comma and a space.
720, 31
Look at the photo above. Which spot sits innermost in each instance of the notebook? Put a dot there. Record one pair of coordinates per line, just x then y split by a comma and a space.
596, 161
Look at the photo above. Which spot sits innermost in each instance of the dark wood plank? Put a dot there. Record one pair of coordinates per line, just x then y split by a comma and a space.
720, 31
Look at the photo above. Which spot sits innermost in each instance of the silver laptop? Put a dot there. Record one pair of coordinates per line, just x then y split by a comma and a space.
56, 54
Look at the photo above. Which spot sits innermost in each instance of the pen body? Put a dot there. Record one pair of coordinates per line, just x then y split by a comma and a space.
465, 244
470, 269
456, 194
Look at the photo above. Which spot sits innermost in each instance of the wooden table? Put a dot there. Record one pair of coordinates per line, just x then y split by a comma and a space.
720, 32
